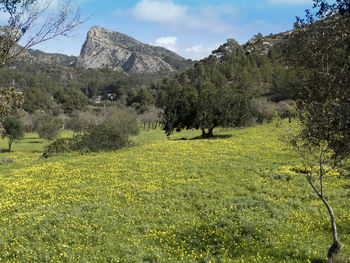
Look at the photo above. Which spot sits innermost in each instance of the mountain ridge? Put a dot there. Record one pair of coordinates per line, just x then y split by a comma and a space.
107, 48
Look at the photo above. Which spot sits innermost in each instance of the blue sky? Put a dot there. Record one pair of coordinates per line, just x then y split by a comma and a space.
192, 28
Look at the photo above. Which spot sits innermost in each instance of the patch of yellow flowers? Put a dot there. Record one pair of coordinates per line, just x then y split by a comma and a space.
219, 200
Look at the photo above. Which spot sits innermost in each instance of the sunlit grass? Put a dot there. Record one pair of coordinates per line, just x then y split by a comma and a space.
234, 198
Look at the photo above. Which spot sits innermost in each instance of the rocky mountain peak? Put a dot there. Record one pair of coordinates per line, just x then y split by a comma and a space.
106, 48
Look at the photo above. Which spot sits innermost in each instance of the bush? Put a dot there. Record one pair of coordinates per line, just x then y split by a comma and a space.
110, 134
61, 145
101, 137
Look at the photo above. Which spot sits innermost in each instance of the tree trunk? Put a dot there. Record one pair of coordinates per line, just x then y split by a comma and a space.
10, 144
334, 249
203, 133
210, 132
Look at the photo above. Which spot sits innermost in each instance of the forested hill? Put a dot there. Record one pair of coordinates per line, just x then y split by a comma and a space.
52, 83
57, 83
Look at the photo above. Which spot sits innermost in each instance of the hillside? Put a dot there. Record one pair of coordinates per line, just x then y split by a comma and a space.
235, 198
116, 64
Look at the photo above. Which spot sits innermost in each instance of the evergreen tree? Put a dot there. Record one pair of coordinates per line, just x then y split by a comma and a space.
209, 95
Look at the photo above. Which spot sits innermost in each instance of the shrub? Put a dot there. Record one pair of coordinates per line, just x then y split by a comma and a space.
61, 145
105, 136
110, 134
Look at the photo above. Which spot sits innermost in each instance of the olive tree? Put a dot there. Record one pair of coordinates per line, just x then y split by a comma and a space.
204, 97
322, 103
13, 129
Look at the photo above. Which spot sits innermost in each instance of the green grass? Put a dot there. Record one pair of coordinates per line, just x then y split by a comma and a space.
230, 199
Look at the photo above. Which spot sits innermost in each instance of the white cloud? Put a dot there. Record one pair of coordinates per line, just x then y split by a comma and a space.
203, 21
195, 49
159, 11
289, 2
202, 17
167, 42
199, 51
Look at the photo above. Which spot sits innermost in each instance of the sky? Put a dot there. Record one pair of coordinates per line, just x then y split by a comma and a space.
191, 28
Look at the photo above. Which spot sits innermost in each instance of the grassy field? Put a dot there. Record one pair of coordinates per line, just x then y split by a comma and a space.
233, 198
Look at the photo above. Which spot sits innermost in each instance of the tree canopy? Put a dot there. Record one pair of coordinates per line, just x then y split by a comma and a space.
322, 62
217, 91
13, 129
323, 96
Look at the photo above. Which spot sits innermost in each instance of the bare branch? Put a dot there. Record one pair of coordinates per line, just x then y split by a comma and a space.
32, 24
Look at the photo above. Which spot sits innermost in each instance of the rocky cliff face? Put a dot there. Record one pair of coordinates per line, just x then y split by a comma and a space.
105, 48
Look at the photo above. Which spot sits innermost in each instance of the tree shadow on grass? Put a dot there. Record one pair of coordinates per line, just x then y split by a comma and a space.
214, 137
4, 150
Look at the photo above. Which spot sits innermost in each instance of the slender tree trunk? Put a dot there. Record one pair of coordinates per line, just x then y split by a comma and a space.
334, 249
10, 144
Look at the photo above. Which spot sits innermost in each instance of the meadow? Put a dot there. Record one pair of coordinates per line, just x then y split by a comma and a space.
233, 198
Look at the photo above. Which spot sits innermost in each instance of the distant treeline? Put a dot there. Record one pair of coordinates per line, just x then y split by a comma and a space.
262, 77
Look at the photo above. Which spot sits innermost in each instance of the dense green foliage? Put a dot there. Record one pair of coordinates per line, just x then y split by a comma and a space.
106, 136
55, 89
218, 90
237, 197
71, 99
323, 100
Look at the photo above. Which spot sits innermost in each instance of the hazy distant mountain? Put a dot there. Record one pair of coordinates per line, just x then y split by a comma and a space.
106, 48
